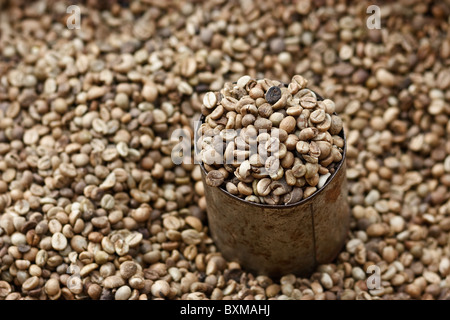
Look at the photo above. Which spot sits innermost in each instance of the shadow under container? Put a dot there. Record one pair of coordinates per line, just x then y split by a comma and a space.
275, 240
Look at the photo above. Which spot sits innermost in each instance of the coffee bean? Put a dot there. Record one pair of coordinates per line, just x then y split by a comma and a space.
288, 124
214, 178
273, 94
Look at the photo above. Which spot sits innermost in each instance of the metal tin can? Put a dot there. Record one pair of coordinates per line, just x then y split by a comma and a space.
281, 239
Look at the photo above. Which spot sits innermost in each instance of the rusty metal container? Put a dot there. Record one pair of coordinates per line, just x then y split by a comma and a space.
276, 240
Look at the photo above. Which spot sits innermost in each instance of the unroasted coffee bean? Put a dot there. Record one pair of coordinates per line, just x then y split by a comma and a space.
288, 124
128, 269
191, 237
262, 123
160, 289
307, 134
308, 102
214, 178
59, 241
265, 110
309, 191
317, 116
294, 196
314, 150
263, 187
302, 147
336, 125
232, 188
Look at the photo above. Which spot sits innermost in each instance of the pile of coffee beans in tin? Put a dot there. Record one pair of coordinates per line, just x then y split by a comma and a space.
268, 142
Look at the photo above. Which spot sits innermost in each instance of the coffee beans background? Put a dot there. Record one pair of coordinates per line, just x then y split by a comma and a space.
92, 205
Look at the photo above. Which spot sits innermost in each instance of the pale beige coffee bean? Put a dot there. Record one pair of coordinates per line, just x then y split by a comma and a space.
291, 142
31, 137
280, 187
245, 169
256, 93
272, 164
229, 103
291, 180
22, 207
109, 182
160, 289
68, 170
314, 150
30, 283
280, 134
87, 269
329, 106
210, 100
100, 126
242, 81
121, 247
123, 293
231, 188
322, 180
263, 123
80, 159
317, 116
325, 125
114, 281
52, 287
299, 170
244, 189
263, 187
307, 134
191, 237
172, 223
302, 147
308, 102
59, 241
300, 81
194, 222
294, 111
325, 149
122, 149
217, 112
288, 124
336, 125
276, 118
44, 163
385, 77
107, 202
311, 169
309, 191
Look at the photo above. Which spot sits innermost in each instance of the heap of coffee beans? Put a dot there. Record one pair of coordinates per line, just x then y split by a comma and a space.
267, 142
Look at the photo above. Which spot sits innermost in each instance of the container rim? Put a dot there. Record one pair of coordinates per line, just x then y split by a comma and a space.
279, 206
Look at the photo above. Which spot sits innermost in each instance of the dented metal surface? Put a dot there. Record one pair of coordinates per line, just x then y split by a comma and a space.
281, 239
277, 240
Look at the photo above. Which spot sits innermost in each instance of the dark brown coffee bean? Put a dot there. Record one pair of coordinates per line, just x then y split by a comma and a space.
273, 94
